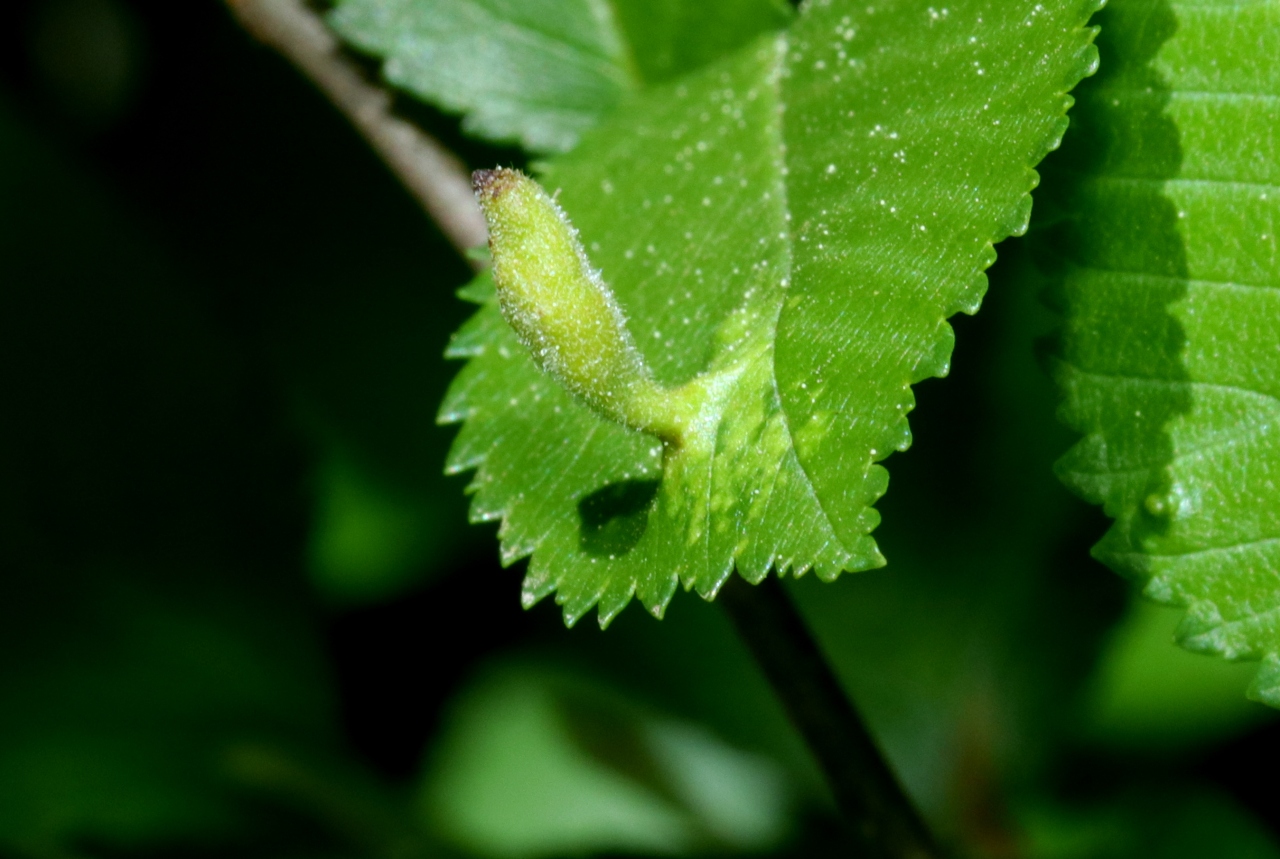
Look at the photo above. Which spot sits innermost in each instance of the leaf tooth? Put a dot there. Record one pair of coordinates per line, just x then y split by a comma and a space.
456, 465
512, 550
1265, 687
656, 591
709, 583
615, 598
475, 335
454, 413
576, 605
481, 289
482, 507
455, 408
1053, 141
1019, 217
866, 555
935, 357
538, 583
460, 399
1233, 640
969, 299
469, 450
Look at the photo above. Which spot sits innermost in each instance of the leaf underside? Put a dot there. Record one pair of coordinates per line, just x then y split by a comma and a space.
1170, 280
833, 193
541, 72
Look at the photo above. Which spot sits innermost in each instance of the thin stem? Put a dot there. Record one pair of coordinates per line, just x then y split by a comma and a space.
881, 818
430, 172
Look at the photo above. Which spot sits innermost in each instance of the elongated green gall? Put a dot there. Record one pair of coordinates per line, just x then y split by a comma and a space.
562, 310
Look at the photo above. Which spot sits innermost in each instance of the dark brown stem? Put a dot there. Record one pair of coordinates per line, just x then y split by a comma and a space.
882, 820
430, 172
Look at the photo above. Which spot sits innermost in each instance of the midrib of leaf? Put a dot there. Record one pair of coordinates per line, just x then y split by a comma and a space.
978, 97
648, 261
1171, 356
706, 270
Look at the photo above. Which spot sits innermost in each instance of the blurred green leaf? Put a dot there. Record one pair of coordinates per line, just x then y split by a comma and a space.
535, 762
1170, 267
1150, 695
541, 73
704, 225
369, 540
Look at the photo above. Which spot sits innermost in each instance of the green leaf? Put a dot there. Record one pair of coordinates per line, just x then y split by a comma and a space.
369, 540
538, 762
541, 72
704, 223
1148, 695
1170, 278
891, 235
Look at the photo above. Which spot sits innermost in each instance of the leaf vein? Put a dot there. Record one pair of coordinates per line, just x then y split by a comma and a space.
1169, 278
1177, 182
1193, 94
1240, 545
1174, 383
